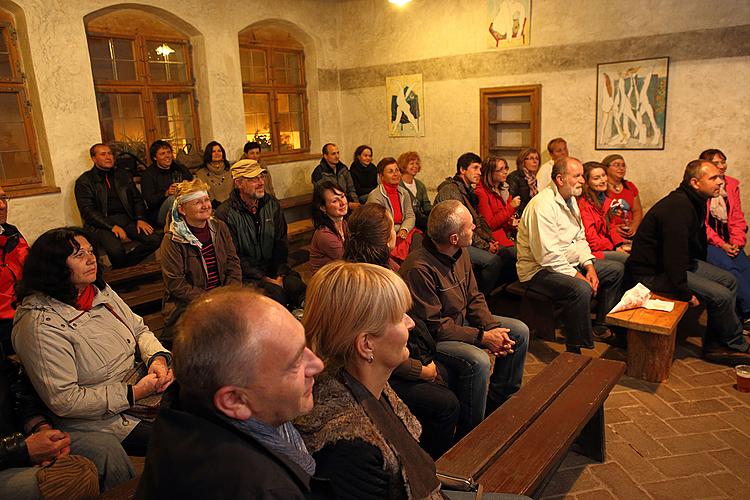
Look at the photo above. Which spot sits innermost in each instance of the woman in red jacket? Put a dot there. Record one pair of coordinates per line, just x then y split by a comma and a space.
597, 213
495, 202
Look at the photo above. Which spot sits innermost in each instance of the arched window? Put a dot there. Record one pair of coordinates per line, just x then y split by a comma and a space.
274, 90
20, 166
143, 78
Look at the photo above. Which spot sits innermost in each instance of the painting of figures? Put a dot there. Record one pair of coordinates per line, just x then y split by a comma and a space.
631, 104
405, 99
510, 22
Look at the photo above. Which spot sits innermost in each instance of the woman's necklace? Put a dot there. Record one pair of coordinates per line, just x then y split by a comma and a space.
616, 188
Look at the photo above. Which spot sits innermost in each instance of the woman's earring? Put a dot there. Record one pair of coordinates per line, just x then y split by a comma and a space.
371, 358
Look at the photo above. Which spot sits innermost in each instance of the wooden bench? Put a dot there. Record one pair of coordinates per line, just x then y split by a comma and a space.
537, 311
519, 447
651, 339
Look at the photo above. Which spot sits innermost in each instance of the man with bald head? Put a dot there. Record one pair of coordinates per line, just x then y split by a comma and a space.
669, 255
244, 373
554, 258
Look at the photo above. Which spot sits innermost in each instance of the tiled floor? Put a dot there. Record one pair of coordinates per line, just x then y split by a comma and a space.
683, 439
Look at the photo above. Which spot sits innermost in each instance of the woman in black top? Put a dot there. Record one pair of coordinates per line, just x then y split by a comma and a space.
364, 173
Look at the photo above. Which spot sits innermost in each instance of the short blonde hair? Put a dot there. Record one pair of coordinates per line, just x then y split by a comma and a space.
345, 299
187, 187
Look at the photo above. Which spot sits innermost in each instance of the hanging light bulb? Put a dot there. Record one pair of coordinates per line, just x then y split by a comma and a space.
164, 50
399, 3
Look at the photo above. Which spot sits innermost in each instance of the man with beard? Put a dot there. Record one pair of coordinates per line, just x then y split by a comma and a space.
554, 258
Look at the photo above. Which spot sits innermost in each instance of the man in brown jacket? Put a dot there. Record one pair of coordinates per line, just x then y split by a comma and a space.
446, 298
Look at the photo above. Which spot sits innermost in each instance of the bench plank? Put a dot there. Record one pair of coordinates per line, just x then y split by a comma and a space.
144, 294
475, 453
531, 458
125, 274
646, 320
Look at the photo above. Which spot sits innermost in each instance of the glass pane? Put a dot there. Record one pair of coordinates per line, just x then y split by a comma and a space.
166, 61
122, 122
13, 136
290, 121
6, 69
102, 69
15, 154
17, 165
99, 48
112, 59
292, 68
257, 119
174, 119
253, 65
125, 70
9, 111
279, 69
123, 49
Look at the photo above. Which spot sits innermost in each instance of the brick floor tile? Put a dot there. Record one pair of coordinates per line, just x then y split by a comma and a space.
682, 369
620, 399
646, 420
618, 481
595, 495
571, 481
642, 442
702, 366
731, 402
693, 443
703, 407
730, 484
699, 423
687, 465
575, 460
709, 379
636, 465
610, 435
668, 394
734, 461
637, 384
738, 419
698, 393
683, 488
676, 382
735, 439
615, 416
656, 405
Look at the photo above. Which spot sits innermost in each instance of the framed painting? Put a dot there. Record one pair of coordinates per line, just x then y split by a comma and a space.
405, 101
631, 104
510, 23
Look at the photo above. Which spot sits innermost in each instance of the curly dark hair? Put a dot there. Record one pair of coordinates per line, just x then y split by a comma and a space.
319, 217
369, 231
46, 270
208, 154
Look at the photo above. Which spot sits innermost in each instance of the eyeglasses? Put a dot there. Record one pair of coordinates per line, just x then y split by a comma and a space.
4, 199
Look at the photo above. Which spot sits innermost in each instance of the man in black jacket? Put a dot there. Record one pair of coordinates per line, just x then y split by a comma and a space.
244, 374
331, 168
112, 207
669, 255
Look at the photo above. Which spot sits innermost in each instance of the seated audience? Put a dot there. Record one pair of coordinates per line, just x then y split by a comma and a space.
397, 201
113, 210
421, 380
251, 151
496, 204
624, 195
328, 210
495, 264
372, 236
523, 182
78, 340
330, 167
215, 173
596, 210
244, 372
669, 252
362, 436
29, 443
363, 172
726, 230
554, 259
197, 253
259, 232
14, 250
410, 165
160, 180
557, 149
447, 299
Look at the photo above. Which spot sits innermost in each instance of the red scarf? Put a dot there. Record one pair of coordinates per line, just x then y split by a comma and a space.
392, 192
86, 298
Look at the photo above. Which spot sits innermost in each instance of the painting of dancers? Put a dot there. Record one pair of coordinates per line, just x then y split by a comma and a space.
631, 104
510, 23
405, 98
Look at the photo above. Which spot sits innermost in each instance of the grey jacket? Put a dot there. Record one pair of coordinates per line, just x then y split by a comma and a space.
379, 196
77, 360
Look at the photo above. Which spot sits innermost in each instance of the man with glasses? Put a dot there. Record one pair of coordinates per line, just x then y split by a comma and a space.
445, 296
259, 232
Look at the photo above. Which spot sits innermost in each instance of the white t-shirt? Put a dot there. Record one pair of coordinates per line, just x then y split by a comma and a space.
411, 187
544, 175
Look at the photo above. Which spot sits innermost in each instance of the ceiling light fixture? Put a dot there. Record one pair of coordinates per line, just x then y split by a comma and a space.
399, 3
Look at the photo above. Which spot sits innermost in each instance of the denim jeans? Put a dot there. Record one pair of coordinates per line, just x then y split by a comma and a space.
471, 373
492, 270
574, 295
108, 455
739, 266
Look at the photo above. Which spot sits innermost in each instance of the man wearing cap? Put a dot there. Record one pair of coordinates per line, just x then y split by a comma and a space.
259, 232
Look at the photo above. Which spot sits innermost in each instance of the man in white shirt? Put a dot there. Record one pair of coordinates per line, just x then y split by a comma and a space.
557, 148
554, 258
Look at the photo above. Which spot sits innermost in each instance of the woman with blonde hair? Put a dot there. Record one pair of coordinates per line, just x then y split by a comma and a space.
523, 181
363, 437
197, 253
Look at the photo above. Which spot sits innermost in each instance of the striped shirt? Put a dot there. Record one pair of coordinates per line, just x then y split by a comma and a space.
209, 254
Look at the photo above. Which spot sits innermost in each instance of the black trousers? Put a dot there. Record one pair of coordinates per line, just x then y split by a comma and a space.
136, 443
291, 295
145, 245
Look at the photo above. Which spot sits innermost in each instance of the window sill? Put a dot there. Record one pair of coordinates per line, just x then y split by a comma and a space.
288, 158
26, 191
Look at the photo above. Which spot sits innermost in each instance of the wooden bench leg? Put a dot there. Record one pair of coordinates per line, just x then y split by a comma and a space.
591, 442
650, 355
539, 316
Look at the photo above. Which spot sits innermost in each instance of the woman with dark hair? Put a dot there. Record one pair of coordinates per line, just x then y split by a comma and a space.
364, 174
215, 173
597, 212
329, 206
410, 165
372, 236
522, 181
160, 180
726, 230
78, 341
496, 204
624, 196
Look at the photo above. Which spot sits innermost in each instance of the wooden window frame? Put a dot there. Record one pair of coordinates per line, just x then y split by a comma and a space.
274, 89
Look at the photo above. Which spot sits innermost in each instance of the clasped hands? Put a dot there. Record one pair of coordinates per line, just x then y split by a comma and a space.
157, 380
498, 341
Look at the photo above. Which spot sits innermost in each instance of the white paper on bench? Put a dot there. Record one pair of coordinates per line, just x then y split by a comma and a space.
659, 305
